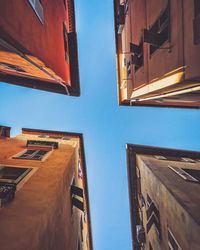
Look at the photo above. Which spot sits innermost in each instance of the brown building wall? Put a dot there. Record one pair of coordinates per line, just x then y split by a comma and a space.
170, 68
191, 51
164, 61
176, 208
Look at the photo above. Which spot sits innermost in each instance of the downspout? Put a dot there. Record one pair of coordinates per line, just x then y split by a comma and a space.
13, 49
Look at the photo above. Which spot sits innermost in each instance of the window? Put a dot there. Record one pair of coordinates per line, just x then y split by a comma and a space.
192, 175
159, 32
4, 131
77, 197
172, 242
11, 67
65, 4
153, 216
66, 45
53, 144
137, 58
128, 69
14, 175
126, 6
196, 22
32, 154
120, 19
37, 7
174, 158
150, 246
160, 157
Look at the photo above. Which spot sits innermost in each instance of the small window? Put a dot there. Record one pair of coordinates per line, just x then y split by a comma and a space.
126, 6
192, 175
150, 246
65, 4
160, 157
37, 7
77, 197
32, 154
13, 175
159, 32
128, 69
53, 144
12, 67
196, 8
172, 242
120, 19
138, 57
66, 44
196, 22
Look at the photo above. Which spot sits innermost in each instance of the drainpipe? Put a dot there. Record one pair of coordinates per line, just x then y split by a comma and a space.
13, 49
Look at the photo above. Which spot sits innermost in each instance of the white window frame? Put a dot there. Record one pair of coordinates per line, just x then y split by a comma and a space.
183, 174
169, 244
17, 156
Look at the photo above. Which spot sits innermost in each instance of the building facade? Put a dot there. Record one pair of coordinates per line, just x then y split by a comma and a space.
38, 45
44, 201
164, 186
158, 49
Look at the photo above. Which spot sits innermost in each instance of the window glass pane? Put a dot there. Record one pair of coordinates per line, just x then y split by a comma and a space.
11, 172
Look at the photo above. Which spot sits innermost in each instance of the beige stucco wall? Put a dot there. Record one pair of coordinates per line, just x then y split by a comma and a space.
40, 216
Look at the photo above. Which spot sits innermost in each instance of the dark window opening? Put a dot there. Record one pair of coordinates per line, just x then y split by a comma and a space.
33, 155
77, 197
150, 246
153, 216
172, 243
159, 32
65, 4
13, 174
126, 5
53, 144
195, 173
128, 69
191, 175
4, 131
138, 57
66, 44
196, 22
196, 8
12, 67
120, 19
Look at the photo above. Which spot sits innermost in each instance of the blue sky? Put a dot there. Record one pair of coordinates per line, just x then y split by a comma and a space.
106, 126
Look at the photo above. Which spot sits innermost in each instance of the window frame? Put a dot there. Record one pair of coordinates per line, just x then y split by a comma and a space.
173, 237
196, 23
45, 156
66, 43
183, 174
36, 5
153, 48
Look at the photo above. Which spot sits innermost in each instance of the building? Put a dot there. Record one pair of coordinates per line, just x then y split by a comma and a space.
38, 45
44, 202
164, 186
157, 50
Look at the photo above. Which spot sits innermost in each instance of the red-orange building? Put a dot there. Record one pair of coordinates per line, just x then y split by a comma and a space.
44, 200
38, 45
158, 51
